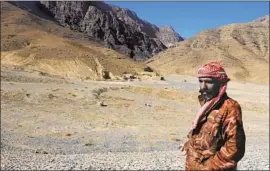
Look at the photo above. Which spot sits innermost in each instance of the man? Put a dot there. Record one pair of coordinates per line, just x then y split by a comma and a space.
217, 137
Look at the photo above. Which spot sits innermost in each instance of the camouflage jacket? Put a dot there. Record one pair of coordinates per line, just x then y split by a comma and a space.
218, 142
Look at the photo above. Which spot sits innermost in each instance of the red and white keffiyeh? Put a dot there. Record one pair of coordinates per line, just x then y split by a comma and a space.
213, 70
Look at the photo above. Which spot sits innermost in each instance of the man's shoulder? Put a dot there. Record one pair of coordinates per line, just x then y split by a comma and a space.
234, 110
231, 104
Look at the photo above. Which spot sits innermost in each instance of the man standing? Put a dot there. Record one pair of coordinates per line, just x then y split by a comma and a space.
217, 138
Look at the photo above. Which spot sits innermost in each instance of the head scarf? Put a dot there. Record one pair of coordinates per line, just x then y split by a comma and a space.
213, 70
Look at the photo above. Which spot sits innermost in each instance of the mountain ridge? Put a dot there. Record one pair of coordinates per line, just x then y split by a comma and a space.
32, 43
119, 29
243, 48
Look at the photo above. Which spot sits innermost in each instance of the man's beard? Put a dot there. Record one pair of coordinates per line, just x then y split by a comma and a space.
206, 94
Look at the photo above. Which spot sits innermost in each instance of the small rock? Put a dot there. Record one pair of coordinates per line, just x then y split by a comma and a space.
51, 96
40, 151
126, 76
67, 134
147, 104
108, 75
103, 104
43, 73
118, 78
175, 139
88, 144
132, 77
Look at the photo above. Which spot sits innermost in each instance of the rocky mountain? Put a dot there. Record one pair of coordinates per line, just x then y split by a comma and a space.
118, 29
32, 41
264, 19
168, 36
243, 48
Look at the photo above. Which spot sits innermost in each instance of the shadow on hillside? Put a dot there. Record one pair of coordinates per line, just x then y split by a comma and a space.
34, 7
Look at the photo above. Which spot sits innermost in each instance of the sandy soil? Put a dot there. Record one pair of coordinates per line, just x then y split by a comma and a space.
53, 123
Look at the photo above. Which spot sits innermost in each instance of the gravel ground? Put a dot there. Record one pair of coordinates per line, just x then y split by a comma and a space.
47, 125
256, 158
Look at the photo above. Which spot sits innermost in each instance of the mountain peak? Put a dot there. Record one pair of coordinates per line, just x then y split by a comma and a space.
167, 27
169, 36
262, 19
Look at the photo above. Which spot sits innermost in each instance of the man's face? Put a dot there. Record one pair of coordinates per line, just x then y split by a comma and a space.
209, 87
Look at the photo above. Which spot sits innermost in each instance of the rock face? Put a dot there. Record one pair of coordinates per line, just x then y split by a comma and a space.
168, 36
34, 44
119, 29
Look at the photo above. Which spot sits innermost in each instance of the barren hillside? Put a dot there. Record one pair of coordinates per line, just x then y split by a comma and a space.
33, 43
243, 48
